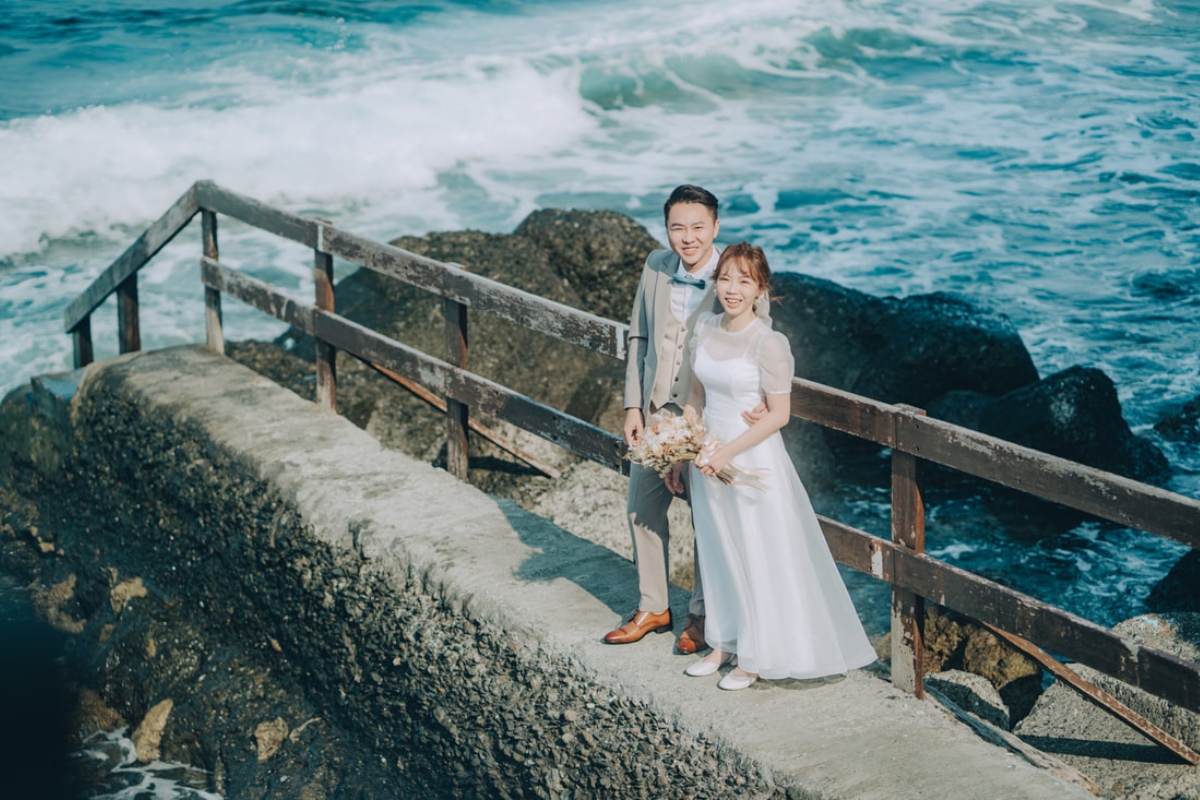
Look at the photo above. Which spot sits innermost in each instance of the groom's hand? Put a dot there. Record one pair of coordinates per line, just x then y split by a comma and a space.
633, 426
673, 480
755, 414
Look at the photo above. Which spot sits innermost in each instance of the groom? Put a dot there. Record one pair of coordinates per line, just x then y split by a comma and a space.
676, 285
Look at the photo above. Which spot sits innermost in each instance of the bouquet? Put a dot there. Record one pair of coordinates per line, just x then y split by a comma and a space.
670, 439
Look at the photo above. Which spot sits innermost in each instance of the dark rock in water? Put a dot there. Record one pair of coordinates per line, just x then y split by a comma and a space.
908, 350
600, 253
1074, 414
1183, 425
1180, 589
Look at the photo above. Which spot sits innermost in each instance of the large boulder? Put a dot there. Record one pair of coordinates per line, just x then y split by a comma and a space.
1179, 590
1074, 414
599, 253
907, 350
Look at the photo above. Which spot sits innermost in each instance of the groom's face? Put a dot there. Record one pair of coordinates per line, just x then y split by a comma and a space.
691, 229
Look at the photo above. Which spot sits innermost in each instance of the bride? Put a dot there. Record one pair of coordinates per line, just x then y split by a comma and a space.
774, 597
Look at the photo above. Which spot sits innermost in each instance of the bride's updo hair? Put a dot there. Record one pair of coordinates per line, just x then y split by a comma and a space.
752, 261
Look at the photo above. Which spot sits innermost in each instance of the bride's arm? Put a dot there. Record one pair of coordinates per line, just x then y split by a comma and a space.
779, 411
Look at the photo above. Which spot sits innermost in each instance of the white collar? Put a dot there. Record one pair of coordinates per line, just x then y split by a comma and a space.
705, 273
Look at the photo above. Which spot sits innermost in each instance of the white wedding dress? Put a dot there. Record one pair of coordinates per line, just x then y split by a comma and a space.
772, 591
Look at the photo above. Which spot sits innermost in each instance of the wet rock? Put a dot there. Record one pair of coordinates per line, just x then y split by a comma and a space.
148, 735
1074, 414
125, 591
51, 601
269, 737
907, 350
93, 715
1183, 425
973, 694
955, 642
600, 253
1179, 590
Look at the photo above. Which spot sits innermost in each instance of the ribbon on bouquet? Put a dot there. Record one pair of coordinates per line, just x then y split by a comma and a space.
729, 474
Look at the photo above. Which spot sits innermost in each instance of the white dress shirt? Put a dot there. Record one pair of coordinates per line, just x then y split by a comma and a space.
686, 299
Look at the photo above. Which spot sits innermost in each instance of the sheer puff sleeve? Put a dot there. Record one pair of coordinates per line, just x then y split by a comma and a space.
775, 363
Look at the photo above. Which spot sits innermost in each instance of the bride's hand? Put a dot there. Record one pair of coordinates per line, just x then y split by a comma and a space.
714, 462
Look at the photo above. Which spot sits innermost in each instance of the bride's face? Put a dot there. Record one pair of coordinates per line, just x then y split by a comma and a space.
737, 290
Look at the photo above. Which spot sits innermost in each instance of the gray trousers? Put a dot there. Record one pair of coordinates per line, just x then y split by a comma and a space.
649, 500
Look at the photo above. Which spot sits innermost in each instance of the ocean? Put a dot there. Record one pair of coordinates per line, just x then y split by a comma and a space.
1038, 158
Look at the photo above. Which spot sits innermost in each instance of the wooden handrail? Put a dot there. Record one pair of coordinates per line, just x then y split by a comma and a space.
448, 280
162, 231
913, 437
1099, 493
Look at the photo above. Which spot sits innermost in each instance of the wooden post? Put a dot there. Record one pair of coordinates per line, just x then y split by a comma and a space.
326, 353
81, 335
212, 297
457, 455
129, 335
908, 609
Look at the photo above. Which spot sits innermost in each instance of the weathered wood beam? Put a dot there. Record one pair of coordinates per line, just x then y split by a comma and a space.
449, 280
129, 335
81, 340
458, 457
326, 353
213, 322
162, 231
250, 211
1094, 491
908, 607
842, 411
1103, 494
483, 294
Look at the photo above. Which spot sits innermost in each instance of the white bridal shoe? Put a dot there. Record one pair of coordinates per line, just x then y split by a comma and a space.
734, 682
703, 667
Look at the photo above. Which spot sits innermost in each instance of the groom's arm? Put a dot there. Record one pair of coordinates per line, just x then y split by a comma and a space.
635, 391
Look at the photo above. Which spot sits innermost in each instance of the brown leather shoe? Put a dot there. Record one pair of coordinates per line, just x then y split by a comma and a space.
643, 622
692, 638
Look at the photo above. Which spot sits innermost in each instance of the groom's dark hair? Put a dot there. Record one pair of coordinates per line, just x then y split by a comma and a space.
687, 193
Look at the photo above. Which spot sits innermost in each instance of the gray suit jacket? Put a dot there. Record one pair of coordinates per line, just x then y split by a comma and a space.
655, 335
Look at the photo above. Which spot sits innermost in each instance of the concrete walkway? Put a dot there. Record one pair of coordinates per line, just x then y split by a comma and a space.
857, 738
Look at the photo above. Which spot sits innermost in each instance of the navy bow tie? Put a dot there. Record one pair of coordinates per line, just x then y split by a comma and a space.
688, 280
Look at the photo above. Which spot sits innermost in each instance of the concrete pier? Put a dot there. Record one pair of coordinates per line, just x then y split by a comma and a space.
463, 633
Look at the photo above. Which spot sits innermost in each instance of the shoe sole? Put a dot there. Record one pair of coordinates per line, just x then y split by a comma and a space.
663, 629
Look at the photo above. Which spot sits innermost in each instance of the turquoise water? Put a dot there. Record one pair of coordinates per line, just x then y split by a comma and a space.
1039, 158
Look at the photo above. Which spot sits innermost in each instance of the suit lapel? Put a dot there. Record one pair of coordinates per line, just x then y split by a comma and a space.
662, 294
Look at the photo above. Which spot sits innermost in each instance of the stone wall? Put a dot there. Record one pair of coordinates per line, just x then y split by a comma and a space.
449, 692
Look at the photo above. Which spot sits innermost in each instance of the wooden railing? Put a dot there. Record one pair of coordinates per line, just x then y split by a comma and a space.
913, 437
